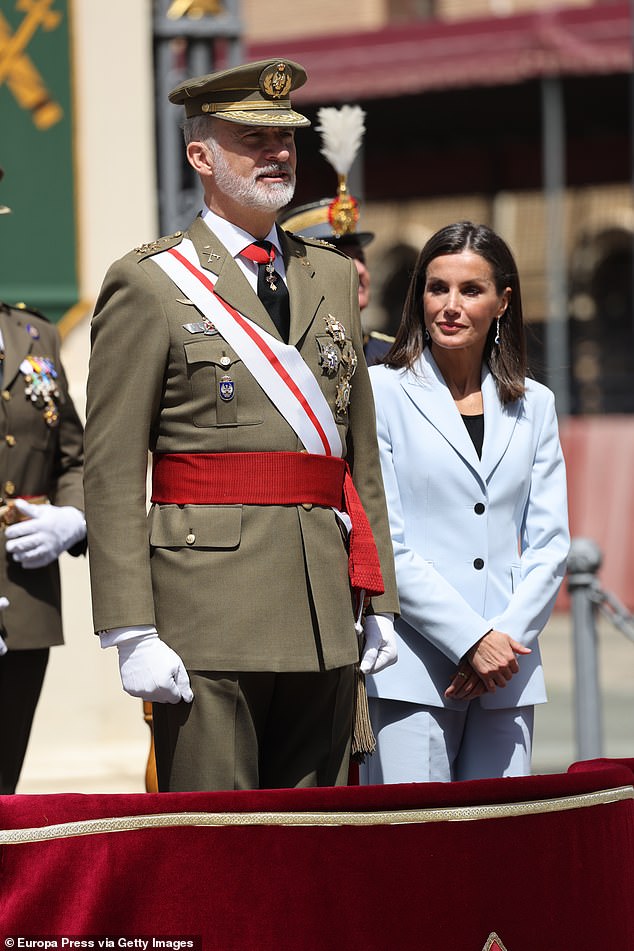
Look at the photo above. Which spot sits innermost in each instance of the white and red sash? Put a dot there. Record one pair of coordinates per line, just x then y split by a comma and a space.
292, 387
278, 368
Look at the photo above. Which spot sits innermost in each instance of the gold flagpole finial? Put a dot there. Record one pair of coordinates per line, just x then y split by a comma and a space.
194, 9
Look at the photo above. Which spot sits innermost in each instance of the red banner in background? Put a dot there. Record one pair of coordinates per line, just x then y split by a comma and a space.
599, 453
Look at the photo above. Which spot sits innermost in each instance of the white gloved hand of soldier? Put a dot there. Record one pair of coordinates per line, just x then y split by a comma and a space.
379, 648
47, 531
149, 668
4, 603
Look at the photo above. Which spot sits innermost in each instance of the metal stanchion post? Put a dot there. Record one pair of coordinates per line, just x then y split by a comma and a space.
583, 563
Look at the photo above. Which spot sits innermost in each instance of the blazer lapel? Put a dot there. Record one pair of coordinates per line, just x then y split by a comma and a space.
305, 296
231, 284
426, 387
17, 344
499, 423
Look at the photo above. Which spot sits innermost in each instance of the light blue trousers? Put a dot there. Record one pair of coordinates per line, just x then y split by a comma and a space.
419, 744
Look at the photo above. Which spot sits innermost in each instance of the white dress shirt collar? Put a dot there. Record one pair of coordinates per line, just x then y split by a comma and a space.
235, 239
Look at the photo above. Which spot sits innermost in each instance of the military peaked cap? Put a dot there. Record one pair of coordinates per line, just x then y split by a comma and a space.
253, 94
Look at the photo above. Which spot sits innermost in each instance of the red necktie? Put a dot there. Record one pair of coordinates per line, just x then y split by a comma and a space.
272, 290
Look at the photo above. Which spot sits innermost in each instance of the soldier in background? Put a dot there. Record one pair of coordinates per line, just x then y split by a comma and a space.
312, 221
335, 219
41, 515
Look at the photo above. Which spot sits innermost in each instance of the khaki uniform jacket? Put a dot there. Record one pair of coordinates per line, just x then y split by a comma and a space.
229, 587
35, 459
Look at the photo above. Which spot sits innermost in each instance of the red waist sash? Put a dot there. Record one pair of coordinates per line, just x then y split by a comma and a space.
272, 478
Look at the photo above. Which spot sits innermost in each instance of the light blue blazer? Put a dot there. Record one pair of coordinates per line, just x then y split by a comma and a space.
478, 544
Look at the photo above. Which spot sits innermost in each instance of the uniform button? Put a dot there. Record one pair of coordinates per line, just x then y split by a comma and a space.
478, 564
225, 361
9, 488
10, 440
478, 508
191, 538
6, 395
307, 505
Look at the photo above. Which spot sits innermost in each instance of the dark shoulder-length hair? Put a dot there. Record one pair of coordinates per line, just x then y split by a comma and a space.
506, 360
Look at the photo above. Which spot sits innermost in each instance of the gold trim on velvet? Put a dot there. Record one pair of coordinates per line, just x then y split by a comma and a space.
493, 942
66, 830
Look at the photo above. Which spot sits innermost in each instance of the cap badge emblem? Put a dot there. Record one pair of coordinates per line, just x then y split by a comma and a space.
276, 80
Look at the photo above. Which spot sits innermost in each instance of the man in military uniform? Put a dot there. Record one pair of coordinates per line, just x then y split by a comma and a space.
41, 516
231, 353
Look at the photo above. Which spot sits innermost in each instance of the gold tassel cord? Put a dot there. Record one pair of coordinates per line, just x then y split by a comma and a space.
363, 740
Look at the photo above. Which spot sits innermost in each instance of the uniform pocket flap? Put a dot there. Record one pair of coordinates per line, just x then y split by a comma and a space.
210, 350
195, 526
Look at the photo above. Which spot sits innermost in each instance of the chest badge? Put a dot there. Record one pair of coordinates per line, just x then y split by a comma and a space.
201, 327
226, 388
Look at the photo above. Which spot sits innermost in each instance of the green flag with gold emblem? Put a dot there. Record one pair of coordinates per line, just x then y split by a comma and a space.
38, 258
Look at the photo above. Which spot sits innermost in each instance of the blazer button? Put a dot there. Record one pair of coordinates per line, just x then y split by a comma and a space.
10, 440
478, 508
478, 564
191, 538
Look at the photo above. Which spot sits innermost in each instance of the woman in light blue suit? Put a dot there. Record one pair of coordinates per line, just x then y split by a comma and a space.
476, 491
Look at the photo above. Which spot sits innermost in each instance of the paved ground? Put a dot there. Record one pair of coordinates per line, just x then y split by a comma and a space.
555, 744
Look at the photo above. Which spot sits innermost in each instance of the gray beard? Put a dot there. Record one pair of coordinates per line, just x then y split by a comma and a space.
250, 192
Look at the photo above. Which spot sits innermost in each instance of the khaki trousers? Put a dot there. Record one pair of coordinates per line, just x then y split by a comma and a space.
256, 731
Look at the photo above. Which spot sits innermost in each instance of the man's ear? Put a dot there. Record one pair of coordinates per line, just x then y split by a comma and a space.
200, 159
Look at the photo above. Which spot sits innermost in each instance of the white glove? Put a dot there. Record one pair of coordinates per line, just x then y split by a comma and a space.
151, 670
379, 649
4, 603
48, 531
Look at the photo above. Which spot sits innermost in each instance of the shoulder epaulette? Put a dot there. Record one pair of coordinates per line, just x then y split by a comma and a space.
316, 242
33, 311
153, 247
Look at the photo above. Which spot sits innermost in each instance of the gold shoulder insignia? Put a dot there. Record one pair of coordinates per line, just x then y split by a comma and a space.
31, 310
320, 242
153, 246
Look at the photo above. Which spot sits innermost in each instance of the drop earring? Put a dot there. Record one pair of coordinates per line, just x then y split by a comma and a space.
427, 335
496, 340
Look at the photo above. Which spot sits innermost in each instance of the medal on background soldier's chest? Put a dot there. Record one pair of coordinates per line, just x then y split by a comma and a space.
40, 377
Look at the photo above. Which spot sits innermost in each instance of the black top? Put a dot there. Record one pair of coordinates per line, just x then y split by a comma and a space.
475, 428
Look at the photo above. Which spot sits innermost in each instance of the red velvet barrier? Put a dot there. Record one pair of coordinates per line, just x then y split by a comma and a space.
545, 862
585, 765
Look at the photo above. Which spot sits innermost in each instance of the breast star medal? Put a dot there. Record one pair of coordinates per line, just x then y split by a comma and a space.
344, 351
